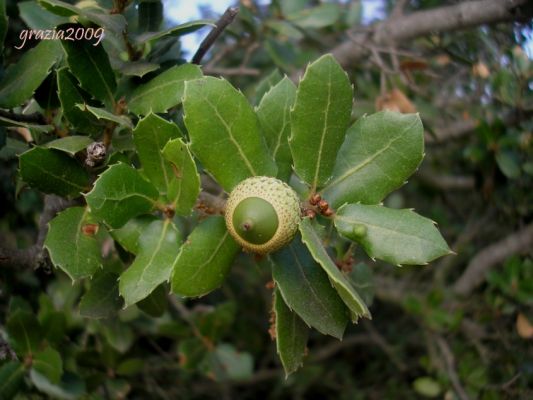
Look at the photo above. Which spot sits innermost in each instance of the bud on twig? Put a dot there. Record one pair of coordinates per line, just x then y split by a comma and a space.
96, 154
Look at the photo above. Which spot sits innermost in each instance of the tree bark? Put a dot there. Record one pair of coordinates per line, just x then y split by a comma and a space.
474, 275
443, 19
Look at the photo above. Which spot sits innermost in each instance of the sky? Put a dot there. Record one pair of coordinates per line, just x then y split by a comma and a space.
180, 11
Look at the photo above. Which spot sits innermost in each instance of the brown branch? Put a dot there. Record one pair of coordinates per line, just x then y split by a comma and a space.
446, 182
226, 19
333, 348
240, 71
455, 130
464, 15
517, 243
449, 361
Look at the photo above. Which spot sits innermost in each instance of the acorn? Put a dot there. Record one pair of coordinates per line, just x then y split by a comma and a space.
262, 214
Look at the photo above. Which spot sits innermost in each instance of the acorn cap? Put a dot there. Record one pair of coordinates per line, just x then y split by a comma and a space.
262, 214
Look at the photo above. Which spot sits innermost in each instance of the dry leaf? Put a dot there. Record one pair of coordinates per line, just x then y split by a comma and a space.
395, 100
413, 65
481, 70
524, 327
442, 59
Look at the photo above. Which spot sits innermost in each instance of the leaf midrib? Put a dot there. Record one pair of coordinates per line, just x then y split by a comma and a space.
368, 160
232, 139
423, 239
300, 268
323, 135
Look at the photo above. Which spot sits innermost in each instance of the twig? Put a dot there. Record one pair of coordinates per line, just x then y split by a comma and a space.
36, 118
380, 341
185, 314
450, 367
210, 203
447, 182
474, 275
333, 348
226, 19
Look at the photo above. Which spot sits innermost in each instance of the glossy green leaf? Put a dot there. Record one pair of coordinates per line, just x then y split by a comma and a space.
266, 84
362, 279
24, 333
3, 25
508, 164
128, 235
33, 127
52, 171
285, 29
216, 322
205, 259
306, 289
159, 245
274, 117
103, 114
396, 236
226, 363
150, 15
11, 379
184, 186
131, 366
118, 334
120, 194
71, 388
316, 17
217, 115
380, 152
23, 78
49, 364
291, 335
71, 249
319, 120
289, 7
150, 136
345, 290
156, 303
70, 144
138, 68
164, 91
426, 386
177, 31
113, 22
90, 65
191, 352
70, 95
35, 17
102, 300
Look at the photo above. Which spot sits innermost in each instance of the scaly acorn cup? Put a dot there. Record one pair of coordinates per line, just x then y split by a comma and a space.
262, 214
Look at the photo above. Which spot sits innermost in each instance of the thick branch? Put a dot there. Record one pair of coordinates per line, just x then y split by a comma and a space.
446, 182
443, 19
518, 243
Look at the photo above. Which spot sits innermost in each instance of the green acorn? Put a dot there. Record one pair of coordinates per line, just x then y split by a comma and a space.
262, 214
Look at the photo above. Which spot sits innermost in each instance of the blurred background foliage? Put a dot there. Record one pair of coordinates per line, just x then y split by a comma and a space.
428, 337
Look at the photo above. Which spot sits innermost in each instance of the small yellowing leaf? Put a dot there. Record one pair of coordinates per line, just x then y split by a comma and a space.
524, 327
